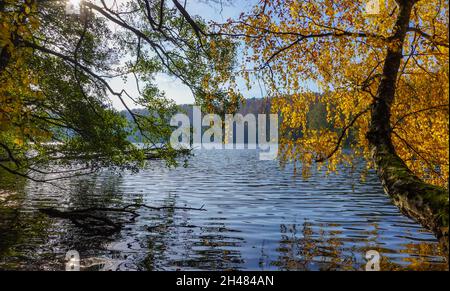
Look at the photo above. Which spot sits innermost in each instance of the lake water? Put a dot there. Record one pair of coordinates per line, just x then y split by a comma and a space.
258, 217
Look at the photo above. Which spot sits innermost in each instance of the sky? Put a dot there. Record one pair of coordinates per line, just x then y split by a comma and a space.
172, 87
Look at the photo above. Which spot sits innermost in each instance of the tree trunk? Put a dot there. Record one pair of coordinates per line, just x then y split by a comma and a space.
423, 202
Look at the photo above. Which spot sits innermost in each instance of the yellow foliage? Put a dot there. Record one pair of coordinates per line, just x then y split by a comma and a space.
341, 50
19, 86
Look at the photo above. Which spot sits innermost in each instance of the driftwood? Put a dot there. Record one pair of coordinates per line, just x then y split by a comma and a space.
95, 219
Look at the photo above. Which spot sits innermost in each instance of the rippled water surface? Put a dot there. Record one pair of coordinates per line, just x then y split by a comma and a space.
257, 217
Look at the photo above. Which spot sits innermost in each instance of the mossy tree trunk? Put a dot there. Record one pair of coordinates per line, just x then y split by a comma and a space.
421, 201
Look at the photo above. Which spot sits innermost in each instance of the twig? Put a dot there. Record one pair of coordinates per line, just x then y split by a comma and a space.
164, 207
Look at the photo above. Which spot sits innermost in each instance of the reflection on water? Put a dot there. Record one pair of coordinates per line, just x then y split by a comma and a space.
258, 217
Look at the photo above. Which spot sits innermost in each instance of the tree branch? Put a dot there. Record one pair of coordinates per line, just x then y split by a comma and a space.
428, 37
342, 135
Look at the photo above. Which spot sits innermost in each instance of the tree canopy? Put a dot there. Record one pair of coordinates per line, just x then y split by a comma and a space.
341, 48
56, 71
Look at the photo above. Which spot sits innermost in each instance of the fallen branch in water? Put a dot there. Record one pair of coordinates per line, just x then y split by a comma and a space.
87, 221
91, 220
163, 207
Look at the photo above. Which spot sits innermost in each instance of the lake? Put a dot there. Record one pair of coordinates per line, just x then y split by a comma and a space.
258, 216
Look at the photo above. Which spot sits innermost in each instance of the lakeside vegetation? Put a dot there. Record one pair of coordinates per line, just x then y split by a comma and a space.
384, 78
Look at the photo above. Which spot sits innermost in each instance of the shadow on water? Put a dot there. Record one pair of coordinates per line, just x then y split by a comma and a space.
32, 241
180, 244
259, 217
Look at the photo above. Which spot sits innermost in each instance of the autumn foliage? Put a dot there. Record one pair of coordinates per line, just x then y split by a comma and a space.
338, 48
